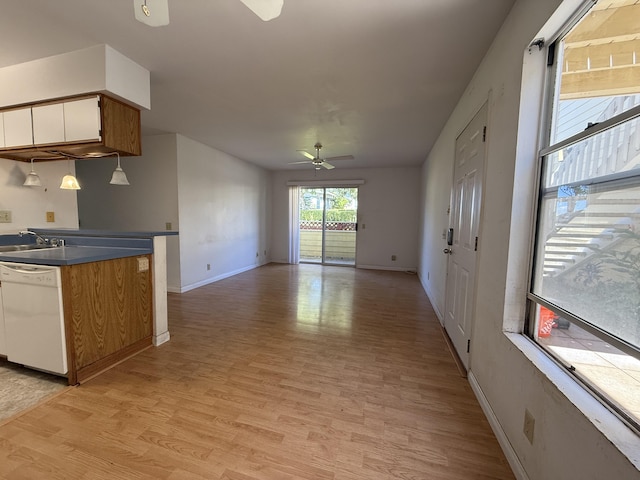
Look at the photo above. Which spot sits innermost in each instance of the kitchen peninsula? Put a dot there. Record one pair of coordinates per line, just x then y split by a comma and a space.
113, 290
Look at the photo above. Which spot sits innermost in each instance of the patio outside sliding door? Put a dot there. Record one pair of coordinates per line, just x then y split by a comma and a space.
328, 221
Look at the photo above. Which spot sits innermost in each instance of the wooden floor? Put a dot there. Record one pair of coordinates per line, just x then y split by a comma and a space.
284, 372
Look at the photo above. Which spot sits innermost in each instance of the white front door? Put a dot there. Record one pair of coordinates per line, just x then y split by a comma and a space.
464, 221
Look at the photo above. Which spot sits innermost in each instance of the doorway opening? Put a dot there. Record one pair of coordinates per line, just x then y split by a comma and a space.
328, 225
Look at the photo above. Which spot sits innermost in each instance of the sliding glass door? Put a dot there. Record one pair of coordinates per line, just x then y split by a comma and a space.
328, 224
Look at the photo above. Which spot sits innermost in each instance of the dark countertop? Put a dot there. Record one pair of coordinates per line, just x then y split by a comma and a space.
71, 254
101, 233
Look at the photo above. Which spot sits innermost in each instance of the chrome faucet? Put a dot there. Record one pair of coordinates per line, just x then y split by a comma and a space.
39, 240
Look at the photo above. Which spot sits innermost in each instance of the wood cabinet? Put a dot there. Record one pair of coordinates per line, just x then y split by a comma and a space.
108, 313
78, 126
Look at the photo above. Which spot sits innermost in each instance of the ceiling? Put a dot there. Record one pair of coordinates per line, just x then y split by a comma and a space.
375, 79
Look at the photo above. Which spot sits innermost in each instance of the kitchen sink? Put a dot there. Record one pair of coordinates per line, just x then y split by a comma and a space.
18, 248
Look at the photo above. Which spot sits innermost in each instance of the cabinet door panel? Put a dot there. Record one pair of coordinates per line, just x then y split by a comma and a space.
48, 124
82, 120
17, 128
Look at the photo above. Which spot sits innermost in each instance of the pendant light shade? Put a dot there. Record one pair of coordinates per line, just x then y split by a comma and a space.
32, 180
119, 177
69, 182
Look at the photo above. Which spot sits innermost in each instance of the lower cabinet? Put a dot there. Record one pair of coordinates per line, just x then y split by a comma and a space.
108, 313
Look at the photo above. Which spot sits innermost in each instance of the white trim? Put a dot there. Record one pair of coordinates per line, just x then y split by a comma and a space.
432, 301
507, 449
160, 339
207, 281
394, 269
325, 183
605, 421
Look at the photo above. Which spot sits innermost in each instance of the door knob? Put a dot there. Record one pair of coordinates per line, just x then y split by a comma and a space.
448, 251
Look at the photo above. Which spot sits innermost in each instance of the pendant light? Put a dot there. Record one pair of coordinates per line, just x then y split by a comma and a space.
32, 180
119, 177
69, 182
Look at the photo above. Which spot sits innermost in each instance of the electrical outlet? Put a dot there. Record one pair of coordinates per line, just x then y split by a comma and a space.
51, 217
167, 226
143, 264
5, 216
529, 425
393, 258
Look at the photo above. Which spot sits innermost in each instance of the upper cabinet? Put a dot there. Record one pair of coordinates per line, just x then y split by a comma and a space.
83, 126
82, 120
72, 121
17, 128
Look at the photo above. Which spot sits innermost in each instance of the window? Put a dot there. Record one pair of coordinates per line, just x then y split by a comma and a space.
585, 287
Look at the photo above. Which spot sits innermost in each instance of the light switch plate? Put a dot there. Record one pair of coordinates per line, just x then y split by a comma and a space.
51, 217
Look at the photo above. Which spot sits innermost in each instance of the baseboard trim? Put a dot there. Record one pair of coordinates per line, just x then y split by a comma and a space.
208, 281
456, 358
507, 449
160, 339
434, 305
393, 269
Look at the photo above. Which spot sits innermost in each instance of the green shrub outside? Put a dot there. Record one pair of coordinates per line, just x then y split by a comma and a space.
332, 215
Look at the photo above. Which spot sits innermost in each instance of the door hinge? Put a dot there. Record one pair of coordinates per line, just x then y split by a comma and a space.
475, 249
484, 134
468, 345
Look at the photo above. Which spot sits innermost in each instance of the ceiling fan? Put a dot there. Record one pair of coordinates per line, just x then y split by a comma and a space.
318, 162
155, 13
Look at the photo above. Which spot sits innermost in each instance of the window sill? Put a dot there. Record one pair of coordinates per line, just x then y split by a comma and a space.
606, 422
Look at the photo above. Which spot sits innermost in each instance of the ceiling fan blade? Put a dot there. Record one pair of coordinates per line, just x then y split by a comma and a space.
297, 163
154, 13
265, 9
326, 165
341, 157
307, 154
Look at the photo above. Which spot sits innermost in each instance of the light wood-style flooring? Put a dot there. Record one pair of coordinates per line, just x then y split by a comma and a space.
280, 373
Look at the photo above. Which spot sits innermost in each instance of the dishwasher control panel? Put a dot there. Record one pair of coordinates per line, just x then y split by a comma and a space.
30, 274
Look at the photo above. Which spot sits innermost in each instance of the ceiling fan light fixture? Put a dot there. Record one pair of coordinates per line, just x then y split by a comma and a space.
154, 13
265, 9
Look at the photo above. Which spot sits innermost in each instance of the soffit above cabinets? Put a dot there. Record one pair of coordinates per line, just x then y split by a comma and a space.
87, 126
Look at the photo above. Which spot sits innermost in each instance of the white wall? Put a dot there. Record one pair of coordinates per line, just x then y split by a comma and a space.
388, 205
224, 208
219, 204
148, 204
28, 205
508, 372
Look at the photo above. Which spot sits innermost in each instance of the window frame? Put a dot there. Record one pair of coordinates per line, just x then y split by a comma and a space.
533, 300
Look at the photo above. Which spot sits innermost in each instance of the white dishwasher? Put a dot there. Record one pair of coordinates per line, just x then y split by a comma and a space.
33, 316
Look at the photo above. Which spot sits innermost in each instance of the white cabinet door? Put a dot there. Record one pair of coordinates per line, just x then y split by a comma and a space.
17, 128
1, 130
82, 120
48, 124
